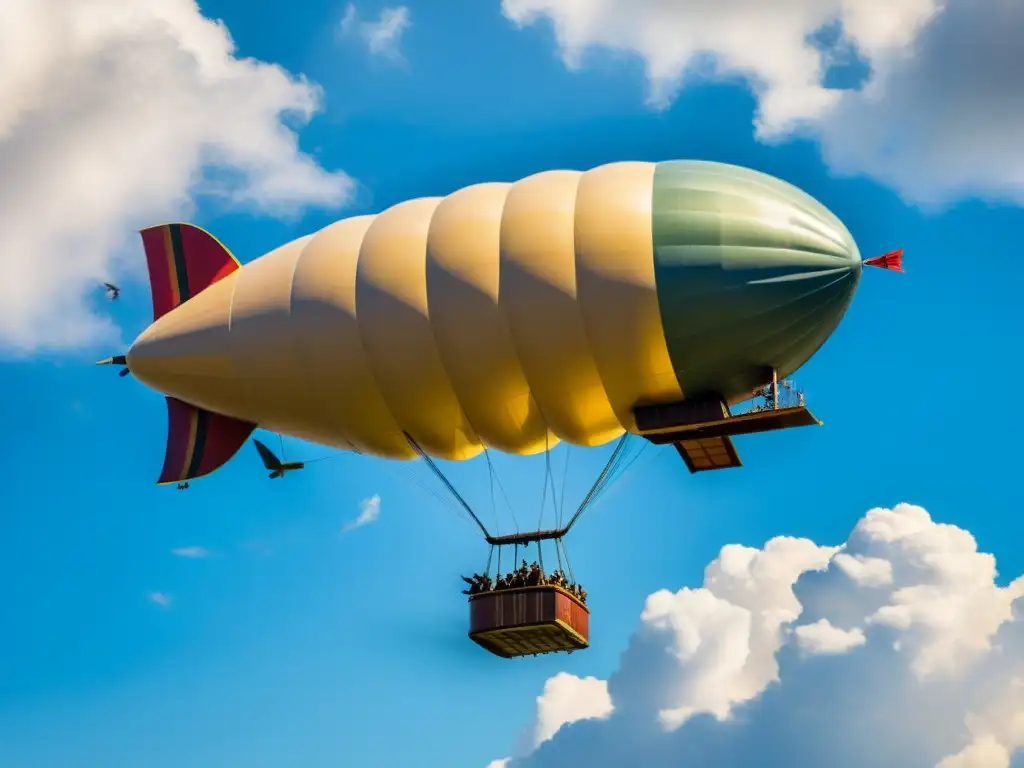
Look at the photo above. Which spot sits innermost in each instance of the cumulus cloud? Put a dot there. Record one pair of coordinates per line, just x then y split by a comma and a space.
939, 116
822, 637
160, 598
191, 552
566, 699
115, 114
369, 511
382, 37
792, 655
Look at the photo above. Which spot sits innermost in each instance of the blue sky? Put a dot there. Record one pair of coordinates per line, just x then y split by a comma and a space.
292, 645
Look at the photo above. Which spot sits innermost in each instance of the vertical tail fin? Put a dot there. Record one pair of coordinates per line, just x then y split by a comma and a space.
198, 441
183, 260
893, 260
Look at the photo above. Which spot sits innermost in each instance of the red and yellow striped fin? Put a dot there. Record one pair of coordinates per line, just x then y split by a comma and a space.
183, 260
198, 441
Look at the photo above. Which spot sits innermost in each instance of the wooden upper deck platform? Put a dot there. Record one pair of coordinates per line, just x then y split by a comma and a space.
730, 426
702, 429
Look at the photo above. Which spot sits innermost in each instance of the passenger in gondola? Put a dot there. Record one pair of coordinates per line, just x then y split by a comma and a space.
521, 575
535, 575
477, 584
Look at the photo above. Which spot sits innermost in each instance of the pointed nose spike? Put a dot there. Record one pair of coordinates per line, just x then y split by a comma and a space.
893, 261
115, 360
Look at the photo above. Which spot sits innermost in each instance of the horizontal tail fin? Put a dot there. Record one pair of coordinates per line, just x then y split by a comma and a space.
183, 260
198, 441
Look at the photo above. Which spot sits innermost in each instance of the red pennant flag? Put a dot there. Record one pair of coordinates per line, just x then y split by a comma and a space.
893, 261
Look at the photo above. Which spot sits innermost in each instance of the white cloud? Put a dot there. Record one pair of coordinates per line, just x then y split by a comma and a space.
566, 699
822, 637
940, 117
112, 113
382, 37
866, 571
191, 552
160, 598
369, 511
788, 656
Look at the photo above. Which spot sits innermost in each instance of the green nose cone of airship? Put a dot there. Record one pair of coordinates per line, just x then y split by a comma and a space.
752, 274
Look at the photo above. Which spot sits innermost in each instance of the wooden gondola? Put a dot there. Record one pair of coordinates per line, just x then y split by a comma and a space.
527, 621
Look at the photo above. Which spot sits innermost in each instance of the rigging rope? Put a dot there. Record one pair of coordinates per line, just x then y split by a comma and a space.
620, 471
390, 467
595, 488
547, 474
411, 477
494, 505
497, 479
565, 482
441, 476
568, 565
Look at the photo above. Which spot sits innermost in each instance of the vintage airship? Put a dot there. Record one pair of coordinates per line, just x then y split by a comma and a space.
636, 297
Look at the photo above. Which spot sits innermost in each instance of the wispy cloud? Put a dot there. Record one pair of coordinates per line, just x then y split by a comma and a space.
382, 37
160, 598
191, 552
369, 511
259, 546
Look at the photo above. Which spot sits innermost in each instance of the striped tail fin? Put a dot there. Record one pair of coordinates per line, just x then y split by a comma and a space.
198, 441
183, 260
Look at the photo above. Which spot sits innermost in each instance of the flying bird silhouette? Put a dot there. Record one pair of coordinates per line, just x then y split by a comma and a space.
276, 467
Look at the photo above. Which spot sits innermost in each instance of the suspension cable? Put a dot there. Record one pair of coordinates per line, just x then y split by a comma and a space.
441, 476
596, 487
617, 473
565, 482
547, 476
568, 565
494, 505
501, 487
410, 477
